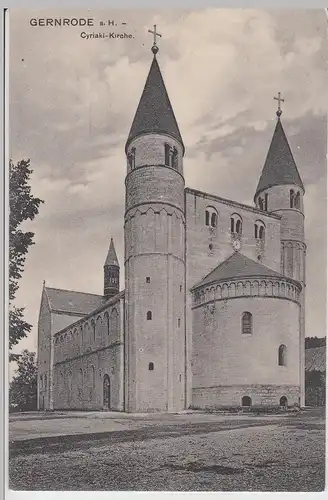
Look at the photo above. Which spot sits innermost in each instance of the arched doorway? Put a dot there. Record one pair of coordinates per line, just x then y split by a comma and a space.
106, 390
246, 401
283, 401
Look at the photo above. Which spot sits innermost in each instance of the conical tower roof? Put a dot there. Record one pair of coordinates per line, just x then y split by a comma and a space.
279, 167
111, 259
154, 112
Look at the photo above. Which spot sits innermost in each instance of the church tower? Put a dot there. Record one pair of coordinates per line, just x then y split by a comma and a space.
111, 273
280, 190
155, 254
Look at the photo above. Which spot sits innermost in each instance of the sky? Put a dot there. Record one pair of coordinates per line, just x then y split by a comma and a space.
72, 102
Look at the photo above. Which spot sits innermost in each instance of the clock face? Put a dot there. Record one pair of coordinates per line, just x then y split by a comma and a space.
236, 245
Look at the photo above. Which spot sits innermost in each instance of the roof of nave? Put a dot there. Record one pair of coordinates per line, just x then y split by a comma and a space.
231, 203
154, 113
279, 167
71, 302
315, 359
103, 305
238, 266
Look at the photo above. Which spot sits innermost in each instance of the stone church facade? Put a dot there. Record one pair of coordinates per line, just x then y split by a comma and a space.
212, 312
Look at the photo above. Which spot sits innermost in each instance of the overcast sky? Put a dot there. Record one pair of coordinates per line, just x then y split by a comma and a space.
72, 102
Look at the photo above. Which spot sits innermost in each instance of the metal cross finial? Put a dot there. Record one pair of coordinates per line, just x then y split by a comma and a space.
280, 100
155, 33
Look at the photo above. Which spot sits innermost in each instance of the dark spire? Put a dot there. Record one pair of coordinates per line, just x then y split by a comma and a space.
111, 273
111, 259
279, 167
154, 112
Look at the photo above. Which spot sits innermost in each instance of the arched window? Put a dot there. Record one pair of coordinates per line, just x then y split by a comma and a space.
45, 382
41, 382
236, 225
151, 366
107, 321
99, 327
261, 203
168, 153
291, 198
175, 158
106, 392
93, 328
132, 158
149, 315
266, 196
93, 377
261, 233
70, 376
246, 323
81, 378
211, 217
246, 401
259, 228
114, 322
283, 401
282, 355
214, 220
297, 201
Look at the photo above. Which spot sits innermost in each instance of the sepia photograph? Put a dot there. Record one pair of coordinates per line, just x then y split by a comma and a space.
167, 177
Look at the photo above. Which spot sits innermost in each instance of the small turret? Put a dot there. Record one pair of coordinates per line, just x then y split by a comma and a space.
280, 190
111, 273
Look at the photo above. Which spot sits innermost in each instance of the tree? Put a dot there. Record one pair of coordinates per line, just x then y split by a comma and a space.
22, 206
23, 387
315, 384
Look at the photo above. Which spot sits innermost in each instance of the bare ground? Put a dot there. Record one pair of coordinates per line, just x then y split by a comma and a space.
181, 453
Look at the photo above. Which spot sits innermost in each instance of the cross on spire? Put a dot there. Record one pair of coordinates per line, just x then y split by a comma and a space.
156, 34
280, 100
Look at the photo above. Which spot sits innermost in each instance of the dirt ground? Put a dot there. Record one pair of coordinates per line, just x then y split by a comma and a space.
188, 452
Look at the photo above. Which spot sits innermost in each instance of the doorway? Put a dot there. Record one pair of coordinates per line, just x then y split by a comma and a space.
246, 401
283, 401
106, 390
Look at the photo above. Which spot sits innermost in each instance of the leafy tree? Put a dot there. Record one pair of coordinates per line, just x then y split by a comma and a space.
22, 206
314, 342
23, 387
315, 384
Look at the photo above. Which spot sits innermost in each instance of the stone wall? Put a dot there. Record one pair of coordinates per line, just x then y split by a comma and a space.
85, 353
44, 353
206, 247
231, 395
223, 356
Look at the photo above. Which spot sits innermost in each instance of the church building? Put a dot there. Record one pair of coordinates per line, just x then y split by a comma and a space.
212, 311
